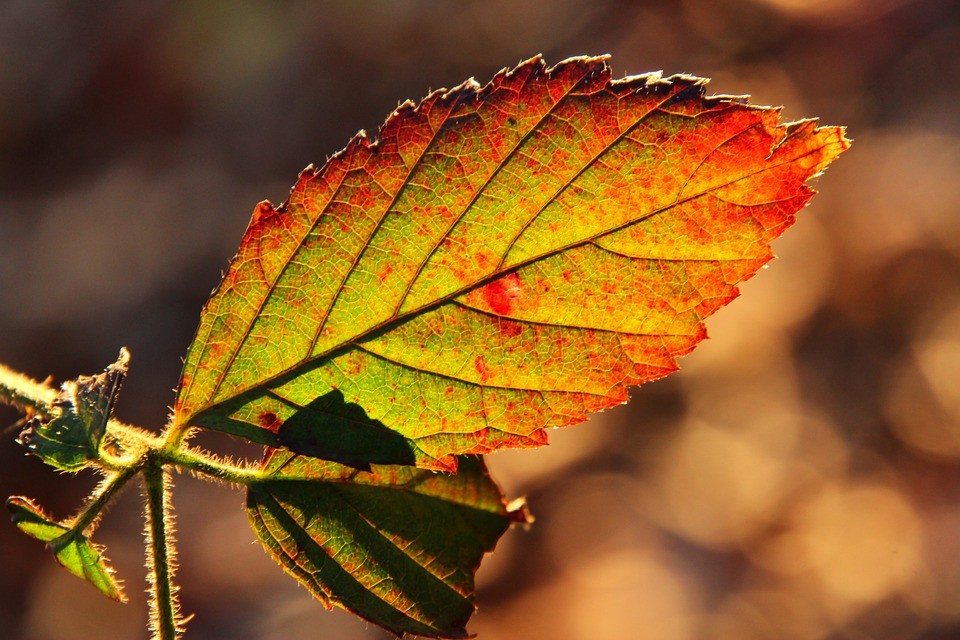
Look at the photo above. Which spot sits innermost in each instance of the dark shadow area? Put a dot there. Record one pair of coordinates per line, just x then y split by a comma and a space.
333, 429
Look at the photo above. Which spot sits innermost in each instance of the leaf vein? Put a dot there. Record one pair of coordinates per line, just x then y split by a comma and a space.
504, 162
449, 376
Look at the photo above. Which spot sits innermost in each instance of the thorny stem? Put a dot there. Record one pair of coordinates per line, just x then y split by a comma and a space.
35, 397
129, 451
26, 394
101, 497
160, 556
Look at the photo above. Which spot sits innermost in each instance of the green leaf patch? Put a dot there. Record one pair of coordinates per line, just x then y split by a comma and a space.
396, 545
73, 551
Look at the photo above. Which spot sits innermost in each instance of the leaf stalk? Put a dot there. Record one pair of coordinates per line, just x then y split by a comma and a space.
99, 500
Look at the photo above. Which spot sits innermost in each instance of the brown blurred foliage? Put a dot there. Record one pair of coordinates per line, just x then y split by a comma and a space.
799, 478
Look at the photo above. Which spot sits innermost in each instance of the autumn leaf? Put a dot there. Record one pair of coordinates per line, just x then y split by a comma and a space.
500, 260
396, 545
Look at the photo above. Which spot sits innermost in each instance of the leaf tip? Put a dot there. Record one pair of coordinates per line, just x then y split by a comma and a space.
309, 172
20, 507
123, 360
519, 513
600, 59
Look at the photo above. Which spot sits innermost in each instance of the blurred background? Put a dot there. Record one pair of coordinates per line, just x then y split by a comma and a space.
798, 479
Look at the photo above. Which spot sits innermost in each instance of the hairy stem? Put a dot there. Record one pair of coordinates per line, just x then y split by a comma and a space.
102, 496
175, 437
164, 609
129, 451
212, 466
26, 394
35, 398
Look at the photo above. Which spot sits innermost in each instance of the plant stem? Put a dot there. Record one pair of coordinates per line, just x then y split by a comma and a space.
26, 394
127, 451
35, 397
102, 496
211, 466
160, 553
175, 436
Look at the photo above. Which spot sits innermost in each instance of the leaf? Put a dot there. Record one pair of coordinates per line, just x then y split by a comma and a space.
501, 260
71, 438
73, 551
396, 545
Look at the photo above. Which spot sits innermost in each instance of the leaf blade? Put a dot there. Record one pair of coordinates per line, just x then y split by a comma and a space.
492, 200
69, 438
74, 552
396, 545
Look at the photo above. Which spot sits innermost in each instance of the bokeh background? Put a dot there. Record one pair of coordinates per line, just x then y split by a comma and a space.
798, 479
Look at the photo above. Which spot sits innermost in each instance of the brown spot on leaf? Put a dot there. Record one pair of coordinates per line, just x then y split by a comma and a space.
268, 420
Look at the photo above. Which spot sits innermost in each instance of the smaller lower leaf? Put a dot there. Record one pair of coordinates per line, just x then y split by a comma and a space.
73, 551
396, 545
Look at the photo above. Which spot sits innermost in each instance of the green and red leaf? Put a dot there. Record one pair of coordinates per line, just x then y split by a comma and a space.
500, 260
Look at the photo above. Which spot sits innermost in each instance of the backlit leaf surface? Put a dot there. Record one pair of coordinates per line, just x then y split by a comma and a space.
500, 260
73, 551
397, 545
69, 439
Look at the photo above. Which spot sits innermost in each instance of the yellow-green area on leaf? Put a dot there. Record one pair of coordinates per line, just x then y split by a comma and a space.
73, 551
500, 260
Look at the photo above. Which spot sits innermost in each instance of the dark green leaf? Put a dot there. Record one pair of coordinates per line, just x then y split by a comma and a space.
71, 438
396, 545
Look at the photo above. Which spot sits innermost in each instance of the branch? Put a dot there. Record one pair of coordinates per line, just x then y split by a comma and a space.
161, 556
100, 498
25, 393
